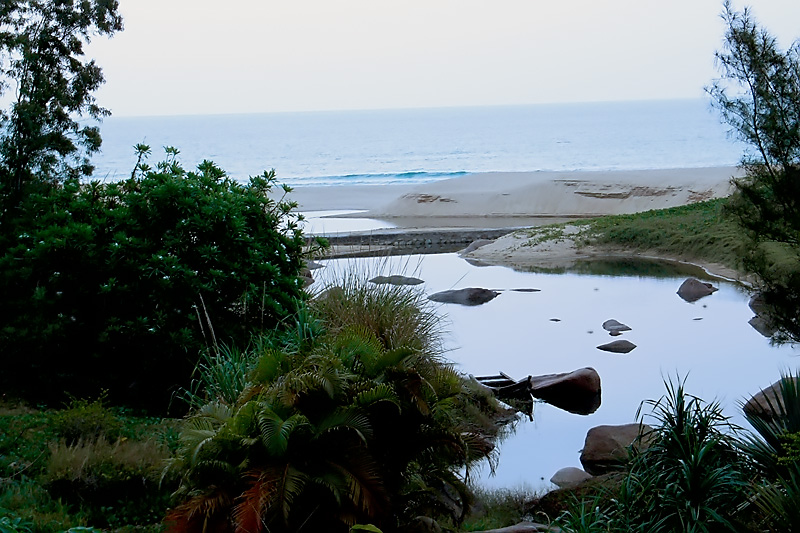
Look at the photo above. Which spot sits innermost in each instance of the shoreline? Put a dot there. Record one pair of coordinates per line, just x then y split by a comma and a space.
524, 194
446, 215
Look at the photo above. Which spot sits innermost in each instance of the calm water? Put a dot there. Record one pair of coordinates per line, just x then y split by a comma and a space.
709, 340
413, 146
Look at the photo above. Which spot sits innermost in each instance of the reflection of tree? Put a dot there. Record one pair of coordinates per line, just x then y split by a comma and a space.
758, 95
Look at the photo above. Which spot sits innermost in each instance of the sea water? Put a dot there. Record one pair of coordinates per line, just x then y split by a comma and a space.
421, 145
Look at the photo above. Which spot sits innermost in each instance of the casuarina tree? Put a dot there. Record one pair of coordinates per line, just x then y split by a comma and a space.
758, 94
51, 84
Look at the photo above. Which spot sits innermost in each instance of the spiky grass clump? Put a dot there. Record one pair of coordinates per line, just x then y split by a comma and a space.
774, 450
690, 477
400, 317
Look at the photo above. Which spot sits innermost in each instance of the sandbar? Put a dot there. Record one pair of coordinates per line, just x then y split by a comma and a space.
517, 199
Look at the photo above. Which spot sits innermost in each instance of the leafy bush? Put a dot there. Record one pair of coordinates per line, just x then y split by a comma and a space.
29, 507
119, 286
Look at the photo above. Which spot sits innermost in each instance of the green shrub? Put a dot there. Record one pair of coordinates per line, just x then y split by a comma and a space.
119, 286
112, 483
85, 420
29, 507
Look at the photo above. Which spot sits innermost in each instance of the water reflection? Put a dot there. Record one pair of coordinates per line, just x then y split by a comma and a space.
558, 329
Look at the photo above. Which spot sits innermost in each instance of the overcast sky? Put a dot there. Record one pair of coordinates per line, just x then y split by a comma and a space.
247, 56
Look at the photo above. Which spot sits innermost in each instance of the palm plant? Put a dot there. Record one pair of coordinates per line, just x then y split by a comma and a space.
345, 419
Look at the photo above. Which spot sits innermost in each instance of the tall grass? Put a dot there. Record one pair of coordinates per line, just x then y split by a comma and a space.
400, 317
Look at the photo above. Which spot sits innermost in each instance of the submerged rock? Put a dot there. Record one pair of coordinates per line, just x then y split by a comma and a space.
692, 290
469, 296
606, 447
395, 280
577, 392
620, 346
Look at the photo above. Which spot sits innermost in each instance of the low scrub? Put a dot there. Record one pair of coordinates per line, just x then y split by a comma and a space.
112, 483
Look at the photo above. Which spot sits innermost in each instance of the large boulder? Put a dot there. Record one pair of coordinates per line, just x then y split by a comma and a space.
569, 477
577, 392
769, 402
692, 289
620, 346
395, 280
468, 296
606, 447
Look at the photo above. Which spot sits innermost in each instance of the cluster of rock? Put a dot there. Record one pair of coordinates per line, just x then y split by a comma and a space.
606, 448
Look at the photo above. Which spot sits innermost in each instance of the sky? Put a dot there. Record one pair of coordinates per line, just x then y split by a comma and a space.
178, 57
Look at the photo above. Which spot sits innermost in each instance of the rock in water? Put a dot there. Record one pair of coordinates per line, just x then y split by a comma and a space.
614, 327
468, 296
692, 290
605, 448
621, 346
769, 403
577, 392
395, 280
569, 477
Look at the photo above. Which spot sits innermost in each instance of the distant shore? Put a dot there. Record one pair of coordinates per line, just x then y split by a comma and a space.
511, 200
525, 194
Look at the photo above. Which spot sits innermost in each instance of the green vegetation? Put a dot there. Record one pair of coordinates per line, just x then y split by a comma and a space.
86, 464
695, 231
699, 473
701, 231
498, 508
142, 270
42, 61
350, 417
758, 95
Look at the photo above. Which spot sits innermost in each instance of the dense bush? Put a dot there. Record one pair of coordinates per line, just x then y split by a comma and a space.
119, 286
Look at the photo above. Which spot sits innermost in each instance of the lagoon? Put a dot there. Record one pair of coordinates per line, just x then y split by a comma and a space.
708, 342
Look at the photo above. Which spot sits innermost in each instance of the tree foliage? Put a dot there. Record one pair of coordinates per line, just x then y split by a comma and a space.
121, 285
758, 95
42, 61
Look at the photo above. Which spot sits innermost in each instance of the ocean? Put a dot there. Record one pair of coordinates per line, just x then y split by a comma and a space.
422, 145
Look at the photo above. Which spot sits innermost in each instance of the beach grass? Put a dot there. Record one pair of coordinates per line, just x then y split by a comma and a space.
699, 231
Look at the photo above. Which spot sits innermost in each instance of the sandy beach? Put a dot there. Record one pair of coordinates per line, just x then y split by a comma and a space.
438, 212
526, 194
